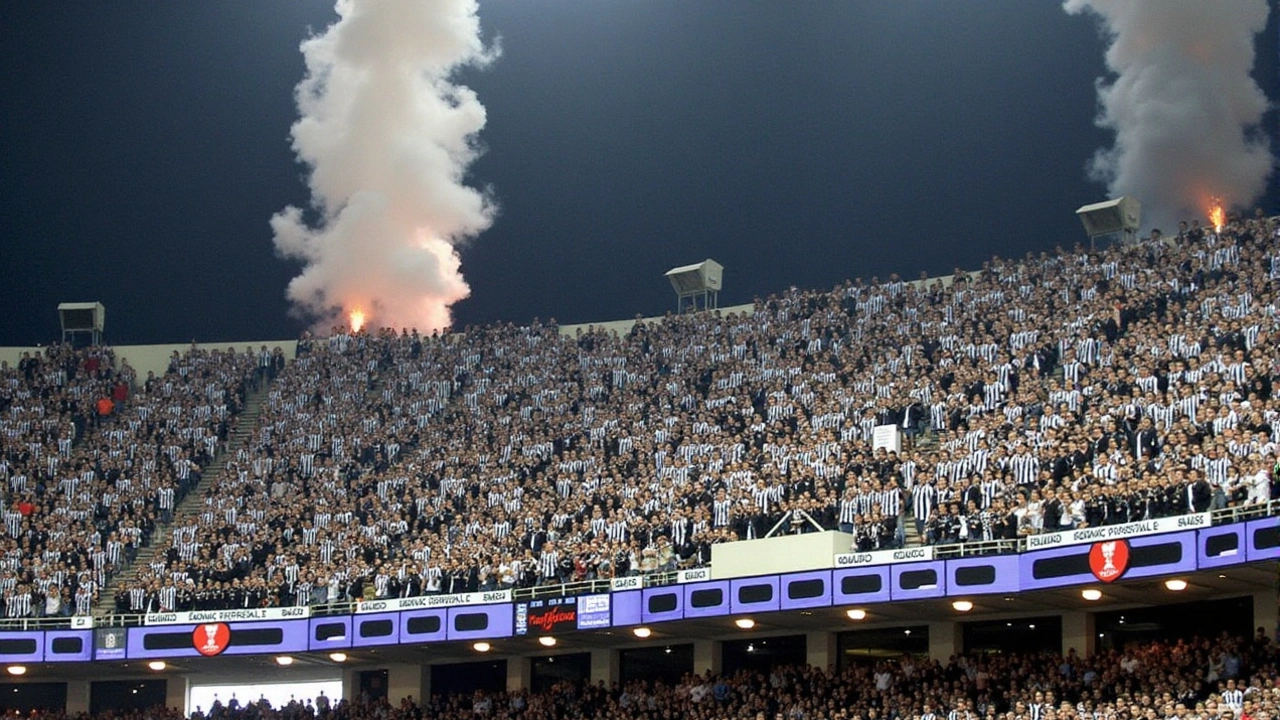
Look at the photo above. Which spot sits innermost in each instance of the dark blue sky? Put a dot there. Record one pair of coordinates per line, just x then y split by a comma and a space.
144, 146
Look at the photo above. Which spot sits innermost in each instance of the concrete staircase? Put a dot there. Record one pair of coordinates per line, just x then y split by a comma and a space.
240, 436
913, 538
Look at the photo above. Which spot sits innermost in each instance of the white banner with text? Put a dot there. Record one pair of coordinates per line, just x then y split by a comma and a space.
1155, 526
884, 557
433, 601
226, 616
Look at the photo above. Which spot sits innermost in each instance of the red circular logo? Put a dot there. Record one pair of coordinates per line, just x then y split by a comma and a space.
1108, 560
211, 638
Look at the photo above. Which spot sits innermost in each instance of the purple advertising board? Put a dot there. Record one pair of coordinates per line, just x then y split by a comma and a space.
1221, 546
754, 594
1161, 555
991, 574
806, 590
706, 599
861, 585
918, 580
247, 638
1264, 538
1138, 557
1055, 567
417, 626
662, 604
22, 647
480, 622
627, 608
68, 646
330, 633
375, 629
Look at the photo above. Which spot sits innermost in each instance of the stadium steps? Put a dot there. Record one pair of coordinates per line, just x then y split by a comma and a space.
913, 539
240, 435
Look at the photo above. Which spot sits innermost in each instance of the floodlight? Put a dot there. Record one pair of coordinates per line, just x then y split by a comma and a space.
1121, 216
700, 281
83, 317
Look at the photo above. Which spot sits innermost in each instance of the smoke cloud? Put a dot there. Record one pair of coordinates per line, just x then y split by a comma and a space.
1183, 106
387, 136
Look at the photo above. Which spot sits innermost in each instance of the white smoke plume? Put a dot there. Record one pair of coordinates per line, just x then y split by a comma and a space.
1183, 106
388, 136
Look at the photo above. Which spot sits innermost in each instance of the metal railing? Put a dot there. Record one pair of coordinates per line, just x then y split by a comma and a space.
1223, 516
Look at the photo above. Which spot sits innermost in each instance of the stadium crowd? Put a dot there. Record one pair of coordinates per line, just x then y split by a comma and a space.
1199, 679
1125, 384
1068, 389
92, 458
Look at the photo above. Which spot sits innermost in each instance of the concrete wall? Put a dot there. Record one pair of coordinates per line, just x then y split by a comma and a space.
622, 327
778, 554
155, 358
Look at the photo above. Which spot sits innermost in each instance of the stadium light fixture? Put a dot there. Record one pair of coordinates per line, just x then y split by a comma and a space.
1176, 584
1121, 216
745, 623
284, 660
338, 657
642, 632
82, 317
482, 646
856, 614
698, 282
157, 665
547, 641
17, 669
1091, 594
962, 605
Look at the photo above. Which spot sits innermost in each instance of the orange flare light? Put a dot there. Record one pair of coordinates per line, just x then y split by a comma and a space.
1217, 215
357, 320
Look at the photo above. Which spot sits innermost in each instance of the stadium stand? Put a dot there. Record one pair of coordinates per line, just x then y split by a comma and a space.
93, 457
1067, 389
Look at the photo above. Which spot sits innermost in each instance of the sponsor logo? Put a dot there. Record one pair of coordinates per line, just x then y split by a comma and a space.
1108, 560
911, 554
552, 618
522, 618
1042, 541
854, 559
693, 575
211, 638
626, 583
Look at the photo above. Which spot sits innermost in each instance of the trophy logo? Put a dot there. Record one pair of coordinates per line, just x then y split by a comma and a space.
211, 638
1108, 560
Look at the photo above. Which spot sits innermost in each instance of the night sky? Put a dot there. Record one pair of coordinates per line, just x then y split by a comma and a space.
144, 147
